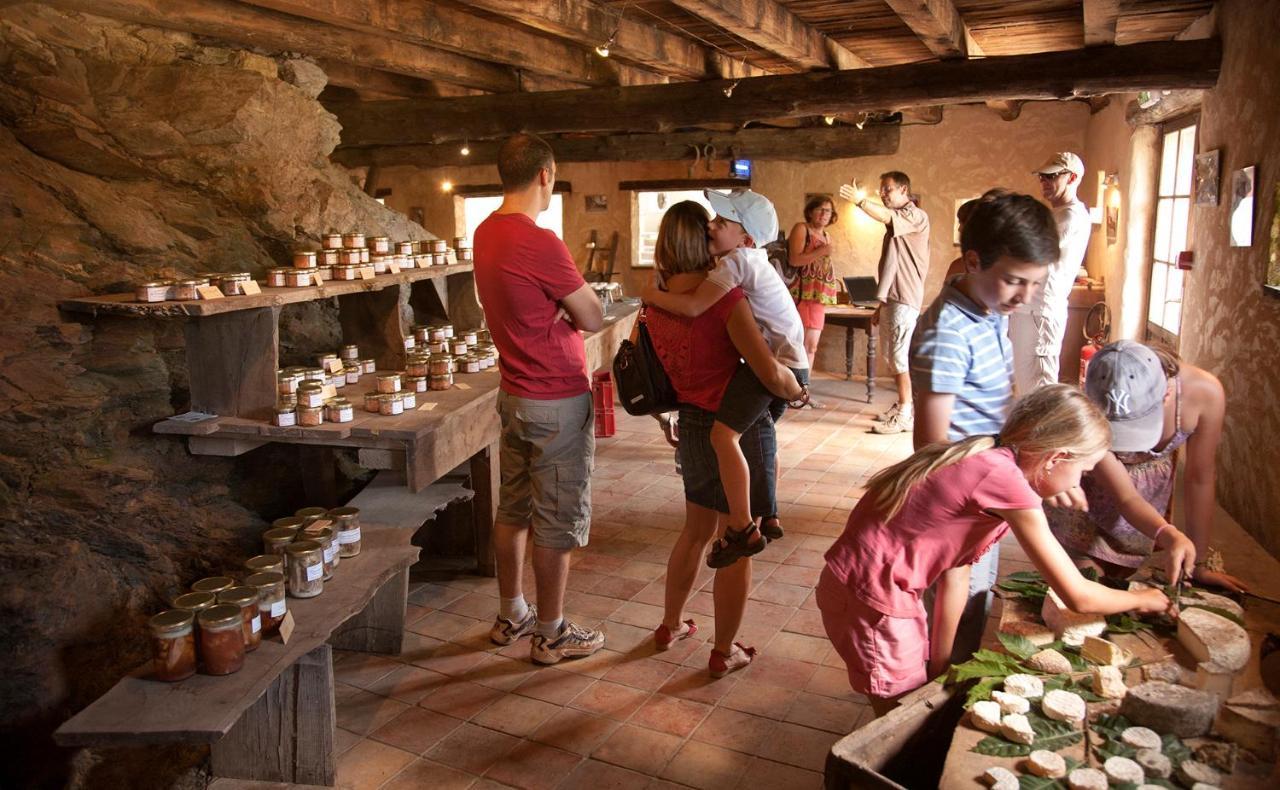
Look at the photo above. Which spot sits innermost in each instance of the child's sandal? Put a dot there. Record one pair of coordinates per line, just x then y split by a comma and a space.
663, 638
735, 545
802, 401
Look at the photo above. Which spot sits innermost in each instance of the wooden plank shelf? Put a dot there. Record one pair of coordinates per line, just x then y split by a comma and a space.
124, 304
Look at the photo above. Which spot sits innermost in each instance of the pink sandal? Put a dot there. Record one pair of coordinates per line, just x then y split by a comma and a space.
738, 657
663, 638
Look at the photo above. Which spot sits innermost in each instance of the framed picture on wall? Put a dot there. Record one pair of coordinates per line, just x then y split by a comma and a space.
1242, 188
596, 202
1205, 185
955, 219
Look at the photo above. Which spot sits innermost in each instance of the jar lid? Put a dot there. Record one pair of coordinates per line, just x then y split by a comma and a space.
304, 252
318, 533
365, 361
392, 397
333, 235
338, 403
303, 547
213, 584
311, 512
289, 373
344, 513
154, 284
222, 614
172, 620
192, 283
195, 601
285, 408
350, 346
417, 378
310, 385
288, 522
310, 409
264, 579
263, 562
388, 376
240, 596
237, 276
281, 534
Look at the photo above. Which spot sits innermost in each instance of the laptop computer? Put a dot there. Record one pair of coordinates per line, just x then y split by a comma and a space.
862, 291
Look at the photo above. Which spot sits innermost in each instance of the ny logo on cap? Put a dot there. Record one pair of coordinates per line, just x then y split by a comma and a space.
1118, 402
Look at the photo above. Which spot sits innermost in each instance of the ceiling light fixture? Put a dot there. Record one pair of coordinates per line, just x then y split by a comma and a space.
828, 119
466, 149
862, 121
728, 91
446, 186
603, 49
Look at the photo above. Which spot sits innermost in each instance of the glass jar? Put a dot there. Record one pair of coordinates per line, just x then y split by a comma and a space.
221, 639
415, 383
274, 541
440, 258
330, 257
421, 333
185, 290
299, 278
350, 258
373, 402
338, 380
380, 264
339, 410
246, 600
422, 260
326, 359
439, 364
271, 603
332, 241
233, 284
470, 337
195, 601
353, 241
440, 381
464, 254
264, 563
404, 248
458, 347
437, 347
287, 383
294, 522
156, 291
285, 417
328, 547
276, 277
461, 243
347, 522
367, 366
213, 584
416, 365
408, 400
351, 373
471, 364
437, 245
314, 374
349, 353
410, 342
388, 383
310, 416
310, 394
391, 405
365, 256
306, 569
381, 245
310, 514
435, 333
173, 642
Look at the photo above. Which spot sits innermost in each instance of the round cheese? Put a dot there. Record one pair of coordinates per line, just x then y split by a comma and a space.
1122, 770
1000, 779
1010, 703
1043, 762
985, 715
1017, 728
1026, 686
1141, 738
1154, 763
1063, 706
1087, 779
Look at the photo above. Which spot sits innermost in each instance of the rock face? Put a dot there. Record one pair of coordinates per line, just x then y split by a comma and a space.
127, 153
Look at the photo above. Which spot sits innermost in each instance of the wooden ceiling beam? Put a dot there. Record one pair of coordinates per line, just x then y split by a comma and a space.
358, 78
1100, 17
241, 24
939, 26
775, 29
645, 45
657, 108
802, 145
457, 31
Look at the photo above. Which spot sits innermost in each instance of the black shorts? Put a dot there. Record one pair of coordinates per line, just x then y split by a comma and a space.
745, 399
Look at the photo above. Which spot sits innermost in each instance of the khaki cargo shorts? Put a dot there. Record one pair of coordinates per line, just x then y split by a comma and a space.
546, 453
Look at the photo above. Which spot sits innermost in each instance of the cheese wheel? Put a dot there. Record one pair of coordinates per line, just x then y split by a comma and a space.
1122, 770
1071, 627
1010, 703
1214, 639
1154, 763
1017, 728
1193, 772
1050, 662
998, 778
1100, 651
1087, 779
1109, 682
985, 715
1063, 706
1026, 686
1043, 762
1141, 738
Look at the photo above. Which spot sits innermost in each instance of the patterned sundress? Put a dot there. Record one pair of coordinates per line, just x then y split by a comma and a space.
815, 283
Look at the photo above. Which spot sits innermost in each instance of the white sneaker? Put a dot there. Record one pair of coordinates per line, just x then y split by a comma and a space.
505, 631
901, 422
888, 414
573, 641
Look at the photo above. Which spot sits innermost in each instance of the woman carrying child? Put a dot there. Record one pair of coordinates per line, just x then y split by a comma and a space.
700, 356
927, 518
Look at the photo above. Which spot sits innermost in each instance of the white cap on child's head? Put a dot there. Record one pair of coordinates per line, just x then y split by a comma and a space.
752, 210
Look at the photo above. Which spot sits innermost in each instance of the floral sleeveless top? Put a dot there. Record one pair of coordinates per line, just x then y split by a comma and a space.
1103, 533
816, 283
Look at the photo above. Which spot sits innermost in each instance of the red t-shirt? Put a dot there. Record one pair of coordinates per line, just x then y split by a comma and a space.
522, 272
942, 525
697, 353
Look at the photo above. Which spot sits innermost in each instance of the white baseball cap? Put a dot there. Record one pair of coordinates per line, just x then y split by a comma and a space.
750, 209
1128, 383
1063, 161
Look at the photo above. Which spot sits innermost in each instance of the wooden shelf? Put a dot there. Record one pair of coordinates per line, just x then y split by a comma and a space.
124, 304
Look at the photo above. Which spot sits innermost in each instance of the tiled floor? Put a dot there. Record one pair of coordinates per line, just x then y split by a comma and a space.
454, 711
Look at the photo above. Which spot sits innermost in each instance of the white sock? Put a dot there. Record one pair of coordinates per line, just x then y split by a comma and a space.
550, 629
513, 609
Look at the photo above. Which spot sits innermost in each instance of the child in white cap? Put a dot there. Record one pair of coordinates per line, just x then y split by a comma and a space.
745, 221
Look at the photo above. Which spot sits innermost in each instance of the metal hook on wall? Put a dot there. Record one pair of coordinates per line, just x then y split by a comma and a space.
710, 153
697, 157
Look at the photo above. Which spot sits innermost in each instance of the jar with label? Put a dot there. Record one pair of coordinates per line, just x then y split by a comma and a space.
332, 241
156, 291
373, 402
416, 364
440, 381
233, 284
221, 639
404, 248
306, 569
439, 364
264, 563
330, 257
421, 333
349, 353
285, 415
440, 258
415, 383
388, 383
185, 290
173, 643
310, 416
391, 405
328, 546
246, 600
271, 603
464, 254
349, 258
351, 373
422, 260
338, 380
339, 410
470, 337
381, 245
326, 359
380, 264
410, 342
287, 383
347, 522
408, 400
310, 514
365, 256
276, 277
310, 394
437, 245
483, 336
471, 364
213, 584
299, 278
275, 541
314, 374
458, 347
353, 240
435, 333
367, 366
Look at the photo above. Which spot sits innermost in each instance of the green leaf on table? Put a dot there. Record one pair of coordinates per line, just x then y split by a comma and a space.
1089, 573
1111, 726
1066, 683
1126, 624
1026, 584
1051, 734
1111, 747
1018, 645
1072, 654
1216, 610
1174, 748
986, 664
981, 691
996, 746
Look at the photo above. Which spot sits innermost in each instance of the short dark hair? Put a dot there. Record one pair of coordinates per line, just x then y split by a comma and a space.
1018, 226
898, 177
814, 203
521, 158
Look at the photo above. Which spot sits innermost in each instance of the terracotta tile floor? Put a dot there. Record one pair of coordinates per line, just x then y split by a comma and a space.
454, 711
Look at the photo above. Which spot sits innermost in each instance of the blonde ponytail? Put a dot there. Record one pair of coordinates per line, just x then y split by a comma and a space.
1053, 419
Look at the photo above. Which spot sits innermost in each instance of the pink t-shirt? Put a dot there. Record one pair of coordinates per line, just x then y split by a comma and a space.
522, 272
944, 524
697, 353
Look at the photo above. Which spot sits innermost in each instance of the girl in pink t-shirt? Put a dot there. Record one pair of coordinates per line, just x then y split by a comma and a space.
929, 517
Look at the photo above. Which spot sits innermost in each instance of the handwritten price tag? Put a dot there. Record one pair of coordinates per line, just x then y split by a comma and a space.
250, 288
210, 292
426, 406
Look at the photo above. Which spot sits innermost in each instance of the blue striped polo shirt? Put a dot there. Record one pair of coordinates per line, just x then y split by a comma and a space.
961, 349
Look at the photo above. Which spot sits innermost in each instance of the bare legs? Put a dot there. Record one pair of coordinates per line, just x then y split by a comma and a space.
731, 584
811, 338
550, 569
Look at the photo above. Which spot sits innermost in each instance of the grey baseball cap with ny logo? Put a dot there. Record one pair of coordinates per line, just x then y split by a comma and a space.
1128, 382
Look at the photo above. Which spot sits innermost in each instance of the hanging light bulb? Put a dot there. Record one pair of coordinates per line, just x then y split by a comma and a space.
446, 186
603, 49
728, 92
466, 149
828, 119
862, 121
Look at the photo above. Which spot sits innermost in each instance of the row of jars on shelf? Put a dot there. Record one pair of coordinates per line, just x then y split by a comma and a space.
221, 619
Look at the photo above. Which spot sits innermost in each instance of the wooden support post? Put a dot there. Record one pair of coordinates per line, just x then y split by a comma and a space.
232, 361
288, 734
485, 480
374, 321
464, 310
380, 627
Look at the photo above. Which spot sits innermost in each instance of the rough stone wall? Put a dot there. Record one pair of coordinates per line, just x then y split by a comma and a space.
127, 153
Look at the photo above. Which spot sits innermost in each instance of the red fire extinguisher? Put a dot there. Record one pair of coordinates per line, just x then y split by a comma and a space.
1097, 328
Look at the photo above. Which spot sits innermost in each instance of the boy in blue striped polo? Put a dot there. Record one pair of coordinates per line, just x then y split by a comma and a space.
961, 357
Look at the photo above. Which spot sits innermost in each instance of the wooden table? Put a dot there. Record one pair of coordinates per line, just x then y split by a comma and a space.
852, 317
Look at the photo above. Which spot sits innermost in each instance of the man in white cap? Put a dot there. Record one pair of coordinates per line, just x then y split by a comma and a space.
1037, 330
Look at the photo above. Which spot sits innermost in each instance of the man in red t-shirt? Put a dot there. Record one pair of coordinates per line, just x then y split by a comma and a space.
535, 301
